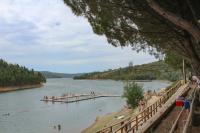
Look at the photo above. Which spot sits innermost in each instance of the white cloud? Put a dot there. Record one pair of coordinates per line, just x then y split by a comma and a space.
46, 35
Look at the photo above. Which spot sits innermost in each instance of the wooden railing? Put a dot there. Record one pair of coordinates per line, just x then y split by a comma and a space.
188, 123
174, 126
131, 124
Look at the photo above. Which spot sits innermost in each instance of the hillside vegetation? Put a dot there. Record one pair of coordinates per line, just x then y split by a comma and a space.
152, 71
58, 75
15, 75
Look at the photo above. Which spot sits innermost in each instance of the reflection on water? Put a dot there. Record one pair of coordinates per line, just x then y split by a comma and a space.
23, 112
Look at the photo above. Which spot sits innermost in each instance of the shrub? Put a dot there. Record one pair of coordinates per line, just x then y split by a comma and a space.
133, 94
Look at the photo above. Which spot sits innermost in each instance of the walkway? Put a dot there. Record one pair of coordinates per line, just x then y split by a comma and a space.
196, 117
162, 110
175, 118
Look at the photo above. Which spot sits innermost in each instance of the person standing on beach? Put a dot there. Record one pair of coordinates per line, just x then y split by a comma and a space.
141, 105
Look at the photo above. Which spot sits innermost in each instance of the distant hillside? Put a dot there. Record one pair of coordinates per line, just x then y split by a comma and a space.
58, 75
16, 75
151, 71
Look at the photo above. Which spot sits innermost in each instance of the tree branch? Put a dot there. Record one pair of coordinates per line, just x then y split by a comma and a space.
178, 21
193, 12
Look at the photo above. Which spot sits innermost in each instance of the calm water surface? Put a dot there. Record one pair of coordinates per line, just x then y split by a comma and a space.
29, 115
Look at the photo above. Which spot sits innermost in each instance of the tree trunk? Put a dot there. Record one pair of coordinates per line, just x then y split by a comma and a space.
194, 58
190, 54
195, 66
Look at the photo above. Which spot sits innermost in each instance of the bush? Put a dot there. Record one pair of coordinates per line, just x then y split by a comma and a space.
133, 94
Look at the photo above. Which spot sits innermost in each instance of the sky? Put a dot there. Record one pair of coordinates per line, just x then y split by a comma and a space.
45, 35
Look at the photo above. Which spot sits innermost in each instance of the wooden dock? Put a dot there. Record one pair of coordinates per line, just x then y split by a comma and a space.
75, 98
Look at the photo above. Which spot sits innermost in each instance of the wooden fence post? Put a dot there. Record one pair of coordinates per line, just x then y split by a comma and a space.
133, 130
126, 128
110, 128
151, 111
156, 106
136, 125
122, 127
160, 102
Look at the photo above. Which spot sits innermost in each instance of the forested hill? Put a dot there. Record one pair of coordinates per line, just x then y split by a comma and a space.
48, 74
15, 75
156, 70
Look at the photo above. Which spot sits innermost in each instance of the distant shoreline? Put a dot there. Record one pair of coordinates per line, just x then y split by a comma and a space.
17, 88
148, 80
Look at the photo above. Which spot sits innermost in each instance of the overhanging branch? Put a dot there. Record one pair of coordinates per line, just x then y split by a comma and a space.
178, 21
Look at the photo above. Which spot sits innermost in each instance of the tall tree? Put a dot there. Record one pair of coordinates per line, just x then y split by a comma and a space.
157, 25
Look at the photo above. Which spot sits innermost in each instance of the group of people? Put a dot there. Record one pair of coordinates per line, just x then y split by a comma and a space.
92, 93
59, 127
45, 97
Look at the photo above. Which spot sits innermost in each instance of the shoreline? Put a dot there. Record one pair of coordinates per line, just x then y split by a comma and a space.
18, 88
164, 80
106, 120
110, 118
147, 80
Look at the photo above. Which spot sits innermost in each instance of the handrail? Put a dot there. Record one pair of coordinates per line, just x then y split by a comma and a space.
136, 119
189, 119
143, 116
176, 121
110, 127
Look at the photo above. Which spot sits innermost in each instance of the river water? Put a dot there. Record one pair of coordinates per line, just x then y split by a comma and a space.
27, 114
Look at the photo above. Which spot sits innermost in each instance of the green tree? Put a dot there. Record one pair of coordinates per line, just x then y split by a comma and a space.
159, 26
133, 94
15, 75
176, 61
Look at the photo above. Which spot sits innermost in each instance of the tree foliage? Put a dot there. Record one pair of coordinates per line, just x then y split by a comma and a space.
176, 61
152, 71
133, 94
161, 26
15, 75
